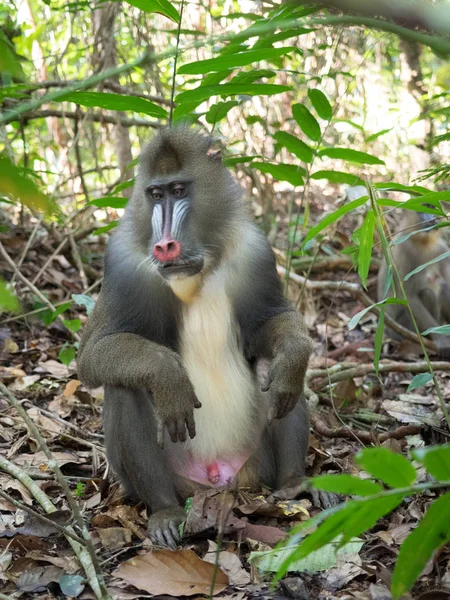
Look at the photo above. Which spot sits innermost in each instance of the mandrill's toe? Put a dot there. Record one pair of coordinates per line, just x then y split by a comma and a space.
163, 527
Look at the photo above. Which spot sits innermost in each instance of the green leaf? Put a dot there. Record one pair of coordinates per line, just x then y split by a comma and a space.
413, 190
375, 136
231, 61
290, 173
355, 156
346, 484
115, 102
106, 228
294, 145
427, 264
349, 522
306, 121
403, 238
9, 59
219, 111
393, 469
419, 380
83, 300
252, 76
109, 201
16, 185
432, 532
8, 299
436, 459
321, 104
365, 246
71, 585
162, 7
357, 318
204, 92
441, 330
67, 354
378, 341
329, 219
231, 161
49, 316
337, 177
72, 324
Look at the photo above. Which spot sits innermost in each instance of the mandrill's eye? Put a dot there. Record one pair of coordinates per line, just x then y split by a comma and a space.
179, 190
156, 194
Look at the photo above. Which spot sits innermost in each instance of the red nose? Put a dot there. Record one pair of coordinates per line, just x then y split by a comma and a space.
167, 250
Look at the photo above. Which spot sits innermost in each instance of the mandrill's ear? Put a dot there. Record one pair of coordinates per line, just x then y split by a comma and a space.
215, 155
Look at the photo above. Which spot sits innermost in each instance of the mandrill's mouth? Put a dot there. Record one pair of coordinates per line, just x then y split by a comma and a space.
186, 267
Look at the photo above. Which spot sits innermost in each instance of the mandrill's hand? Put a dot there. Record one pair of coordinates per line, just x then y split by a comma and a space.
285, 380
174, 399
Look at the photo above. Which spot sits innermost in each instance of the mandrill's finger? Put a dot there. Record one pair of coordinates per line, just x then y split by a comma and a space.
181, 429
197, 403
160, 433
172, 429
190, 424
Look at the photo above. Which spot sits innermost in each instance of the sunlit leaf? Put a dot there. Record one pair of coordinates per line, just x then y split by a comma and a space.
106, 228
306, 121
16, 185
9, 60
231, 161
111, 101
231, 61
219, 111
8, 299
162, 7
346, 484
375, 136
204, 92
393, 469
337, 177
355, 156
432, 532
419, 380
290, 173
109, 202
294, 145
321, 104
366, 246
436, 460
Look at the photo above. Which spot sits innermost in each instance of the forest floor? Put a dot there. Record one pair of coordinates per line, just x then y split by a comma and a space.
36, 559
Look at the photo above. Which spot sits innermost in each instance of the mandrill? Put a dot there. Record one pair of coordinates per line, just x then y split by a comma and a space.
191, 307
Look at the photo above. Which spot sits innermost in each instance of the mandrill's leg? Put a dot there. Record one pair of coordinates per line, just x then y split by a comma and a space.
132, 449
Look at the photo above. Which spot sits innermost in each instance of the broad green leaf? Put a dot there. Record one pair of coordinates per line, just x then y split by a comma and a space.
84, 300
290, 173
346, 484
306, 121
8, 299
365, 246
418, 205
294, 145
427, 264
109, 201
393, 469
436, 460
72, 324
413, 190
219, 111
337, 177
435, 197
355, 156
321, 104
204, 92
110, 101
67, 354
349, 522
268, 40
9, 60
378, 340
329, 219
252, 76
106, 228
419, 380
320, 560
14, 184
441, 330
231, 161
49, 316
163, 7
357, 318
432, 532
231, 61
124, 185
375, 136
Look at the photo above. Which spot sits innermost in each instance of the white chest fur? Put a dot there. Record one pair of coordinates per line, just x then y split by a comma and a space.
218, 371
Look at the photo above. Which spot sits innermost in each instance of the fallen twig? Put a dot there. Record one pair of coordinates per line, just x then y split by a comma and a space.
367, 437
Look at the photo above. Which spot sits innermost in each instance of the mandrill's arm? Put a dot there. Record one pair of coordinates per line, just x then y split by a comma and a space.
284, 339
128, 360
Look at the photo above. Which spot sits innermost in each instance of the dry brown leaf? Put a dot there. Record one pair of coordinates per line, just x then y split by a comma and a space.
180, 573
71, 387
115, 537
230, 563
55, 368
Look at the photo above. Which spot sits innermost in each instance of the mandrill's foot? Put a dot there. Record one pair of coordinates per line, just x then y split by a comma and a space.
294, 487
163, 526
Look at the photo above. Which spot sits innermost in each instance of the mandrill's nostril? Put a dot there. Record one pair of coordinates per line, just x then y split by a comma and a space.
167, 250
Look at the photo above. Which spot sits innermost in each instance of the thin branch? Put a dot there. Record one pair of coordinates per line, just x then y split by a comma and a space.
367, 437
85, 116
